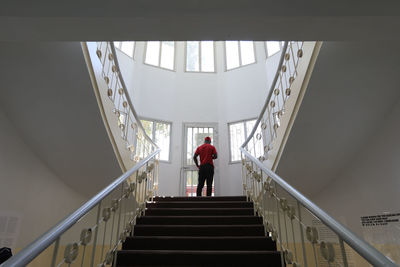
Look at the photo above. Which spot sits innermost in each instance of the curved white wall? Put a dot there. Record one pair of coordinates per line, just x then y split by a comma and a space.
180, 97
29, 190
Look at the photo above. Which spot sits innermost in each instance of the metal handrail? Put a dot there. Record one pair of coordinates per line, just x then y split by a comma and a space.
40, 244
366, 250
370, 253
127, 95
268, 97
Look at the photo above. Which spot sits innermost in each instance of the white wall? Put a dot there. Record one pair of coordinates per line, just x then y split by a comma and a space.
370, 184
29, 188
180, 97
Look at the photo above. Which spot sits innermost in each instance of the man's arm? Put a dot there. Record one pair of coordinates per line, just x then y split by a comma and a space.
195, 160
214, 155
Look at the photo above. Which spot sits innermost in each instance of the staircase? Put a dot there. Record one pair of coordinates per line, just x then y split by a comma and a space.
199, 231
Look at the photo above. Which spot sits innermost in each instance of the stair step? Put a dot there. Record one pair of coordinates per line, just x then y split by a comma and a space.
217, 198
198, 211
129, 258
243, 243
200, 204
199, 220
199, 230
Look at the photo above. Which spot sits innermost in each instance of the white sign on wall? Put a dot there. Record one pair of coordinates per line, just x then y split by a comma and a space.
9, 228
383, 232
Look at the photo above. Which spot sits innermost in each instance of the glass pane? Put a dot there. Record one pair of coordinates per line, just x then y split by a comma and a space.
167, 55
117, 44
236, 132
148, 127
247, 52
232, 54
250, 126
189, 152
273, 47
128, 48
152, 53
188, 179
162, 139
207, 56
192, 57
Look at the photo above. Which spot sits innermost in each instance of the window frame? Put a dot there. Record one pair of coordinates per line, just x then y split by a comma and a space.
159, 58
240, 56
200, 71
153, 132
230, 138
281, 44
120, 45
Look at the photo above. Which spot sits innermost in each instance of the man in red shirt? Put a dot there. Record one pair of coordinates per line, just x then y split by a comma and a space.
207, 153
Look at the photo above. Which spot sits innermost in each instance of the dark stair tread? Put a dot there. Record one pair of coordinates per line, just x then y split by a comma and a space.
200, 252
245, 243
205, 220
197, 258
200, 204
216, 198
200, 230
199, 211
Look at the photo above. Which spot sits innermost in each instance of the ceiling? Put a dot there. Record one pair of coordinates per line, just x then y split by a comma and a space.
199, 20
47, 94
352, 89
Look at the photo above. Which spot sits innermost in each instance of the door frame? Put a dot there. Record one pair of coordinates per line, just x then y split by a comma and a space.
185, 168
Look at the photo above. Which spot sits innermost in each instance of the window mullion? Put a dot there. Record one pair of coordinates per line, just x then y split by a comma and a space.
154, 131
200, 69
160, 53
240, 54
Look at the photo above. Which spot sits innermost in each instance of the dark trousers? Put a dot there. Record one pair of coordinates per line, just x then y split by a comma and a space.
206, 173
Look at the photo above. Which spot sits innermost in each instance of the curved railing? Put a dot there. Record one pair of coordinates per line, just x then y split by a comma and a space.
306, 235
92, 235
137, 141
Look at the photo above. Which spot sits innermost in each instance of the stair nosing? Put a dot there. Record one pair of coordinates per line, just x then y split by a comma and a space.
161, 251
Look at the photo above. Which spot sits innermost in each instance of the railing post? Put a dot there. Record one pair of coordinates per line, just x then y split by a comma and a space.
302, 236
342, 249
96, 231
55, 252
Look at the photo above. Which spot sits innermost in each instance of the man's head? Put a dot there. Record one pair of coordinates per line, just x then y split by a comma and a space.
207, 140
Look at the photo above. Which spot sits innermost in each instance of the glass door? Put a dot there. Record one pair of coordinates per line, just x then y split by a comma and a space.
194, 134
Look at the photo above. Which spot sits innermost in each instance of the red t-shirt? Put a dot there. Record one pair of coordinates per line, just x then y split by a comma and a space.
206, 151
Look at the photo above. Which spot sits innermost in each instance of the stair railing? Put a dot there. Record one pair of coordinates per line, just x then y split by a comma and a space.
92, 235
305, 234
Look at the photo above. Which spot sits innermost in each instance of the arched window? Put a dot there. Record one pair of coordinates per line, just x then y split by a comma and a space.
200, 56
239, 53
160, 54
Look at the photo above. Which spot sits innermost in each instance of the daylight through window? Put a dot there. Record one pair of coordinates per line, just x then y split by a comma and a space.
238, 133
273, 47
160, 54
160, 132
126, 47
200, 56
239, 53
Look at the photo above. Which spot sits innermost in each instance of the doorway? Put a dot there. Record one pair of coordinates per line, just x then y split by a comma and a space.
194, 134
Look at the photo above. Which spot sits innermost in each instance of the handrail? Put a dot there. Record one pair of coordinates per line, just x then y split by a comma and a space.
127, 95
366, 250
268, 97
370, 253
40, 244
